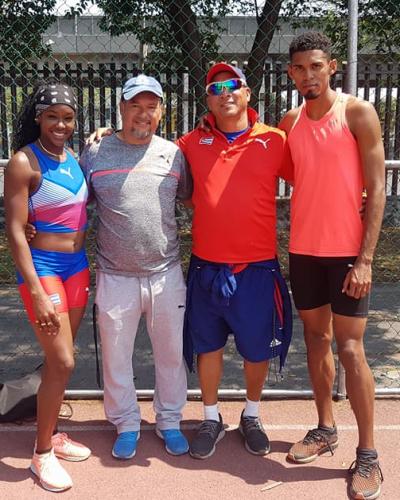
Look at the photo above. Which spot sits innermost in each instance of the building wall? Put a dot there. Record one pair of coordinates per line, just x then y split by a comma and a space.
82, 38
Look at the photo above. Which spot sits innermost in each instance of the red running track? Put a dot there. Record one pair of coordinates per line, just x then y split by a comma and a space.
231, 473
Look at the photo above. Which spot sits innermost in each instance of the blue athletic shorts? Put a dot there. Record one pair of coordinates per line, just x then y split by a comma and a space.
61, 264
63, 275
253, 305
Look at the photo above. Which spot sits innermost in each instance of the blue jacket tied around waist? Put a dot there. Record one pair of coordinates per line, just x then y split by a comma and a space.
221, 283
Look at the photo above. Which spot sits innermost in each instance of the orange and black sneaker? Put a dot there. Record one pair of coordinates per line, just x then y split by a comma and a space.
366, 476
316, 442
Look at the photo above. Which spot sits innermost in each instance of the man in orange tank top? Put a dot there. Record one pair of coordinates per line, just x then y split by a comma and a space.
337, 151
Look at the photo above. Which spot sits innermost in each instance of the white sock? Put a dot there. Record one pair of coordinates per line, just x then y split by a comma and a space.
211, 412
251, 409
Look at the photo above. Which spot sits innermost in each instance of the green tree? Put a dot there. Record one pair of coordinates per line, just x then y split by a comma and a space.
267, 21
184, 33
179, 34
378, 23
22, 25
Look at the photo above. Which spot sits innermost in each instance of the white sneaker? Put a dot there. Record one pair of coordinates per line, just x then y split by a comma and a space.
51, 474
70, 450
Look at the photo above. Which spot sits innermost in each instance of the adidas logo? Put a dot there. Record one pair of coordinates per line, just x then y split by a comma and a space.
275, 343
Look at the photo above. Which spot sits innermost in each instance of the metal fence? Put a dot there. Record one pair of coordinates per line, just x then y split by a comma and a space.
98, 89
105, 42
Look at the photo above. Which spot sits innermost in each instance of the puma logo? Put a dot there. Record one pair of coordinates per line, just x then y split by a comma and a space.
264, 143
66, 172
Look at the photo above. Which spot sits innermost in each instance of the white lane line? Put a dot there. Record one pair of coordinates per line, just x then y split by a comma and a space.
187, 427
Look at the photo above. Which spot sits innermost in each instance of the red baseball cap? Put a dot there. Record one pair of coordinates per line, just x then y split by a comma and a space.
220, 67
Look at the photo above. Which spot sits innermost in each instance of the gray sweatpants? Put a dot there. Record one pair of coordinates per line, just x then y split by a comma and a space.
121, 301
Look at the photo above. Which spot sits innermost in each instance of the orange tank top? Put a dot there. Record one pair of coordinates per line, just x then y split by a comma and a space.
328, 185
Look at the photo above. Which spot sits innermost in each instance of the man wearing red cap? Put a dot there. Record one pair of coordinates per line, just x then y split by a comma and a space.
234, 281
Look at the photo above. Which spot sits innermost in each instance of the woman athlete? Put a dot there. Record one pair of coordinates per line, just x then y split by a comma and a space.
44, 186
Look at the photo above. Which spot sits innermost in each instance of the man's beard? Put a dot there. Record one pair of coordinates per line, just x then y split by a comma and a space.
310, 96
140, 134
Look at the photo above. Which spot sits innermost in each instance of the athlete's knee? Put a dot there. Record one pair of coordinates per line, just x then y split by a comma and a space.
317, 339
61, 367
351, 355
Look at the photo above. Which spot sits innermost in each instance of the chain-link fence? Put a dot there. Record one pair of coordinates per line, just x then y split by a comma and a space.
96, 45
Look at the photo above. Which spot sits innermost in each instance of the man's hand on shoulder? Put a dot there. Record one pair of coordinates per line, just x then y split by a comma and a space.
98, 135
203, 124
30, 232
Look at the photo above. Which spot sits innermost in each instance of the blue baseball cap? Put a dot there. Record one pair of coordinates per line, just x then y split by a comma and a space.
222, 66
141, 83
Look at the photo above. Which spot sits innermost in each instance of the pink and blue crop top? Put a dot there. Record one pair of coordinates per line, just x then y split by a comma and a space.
59, 203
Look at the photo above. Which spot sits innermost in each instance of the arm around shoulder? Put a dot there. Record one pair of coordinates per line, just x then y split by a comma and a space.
18, 177
288, 120
18, 180
364, 124
185, 183
287, 168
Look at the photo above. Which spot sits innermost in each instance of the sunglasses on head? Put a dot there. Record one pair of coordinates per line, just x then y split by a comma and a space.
227, 86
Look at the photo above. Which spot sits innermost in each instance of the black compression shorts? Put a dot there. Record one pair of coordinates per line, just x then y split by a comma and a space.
317, 281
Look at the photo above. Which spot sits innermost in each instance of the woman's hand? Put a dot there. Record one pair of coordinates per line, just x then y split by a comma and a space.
48, 320
30, 232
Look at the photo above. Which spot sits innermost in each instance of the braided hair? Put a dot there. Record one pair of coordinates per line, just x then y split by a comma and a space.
44, 94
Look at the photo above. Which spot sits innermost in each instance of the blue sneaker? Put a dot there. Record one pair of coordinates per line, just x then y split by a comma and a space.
175, 441
125, 445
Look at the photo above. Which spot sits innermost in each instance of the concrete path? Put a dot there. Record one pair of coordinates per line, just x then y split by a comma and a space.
19, 352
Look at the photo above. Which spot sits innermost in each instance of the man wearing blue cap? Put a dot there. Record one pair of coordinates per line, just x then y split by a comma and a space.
136, 177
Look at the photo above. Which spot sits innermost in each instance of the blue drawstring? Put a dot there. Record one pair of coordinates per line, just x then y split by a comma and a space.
223, 286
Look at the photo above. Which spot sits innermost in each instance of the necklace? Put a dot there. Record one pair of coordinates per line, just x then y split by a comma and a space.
47, 151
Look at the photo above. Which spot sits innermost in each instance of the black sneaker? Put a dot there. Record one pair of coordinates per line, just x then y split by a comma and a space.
255, 438
208, 435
